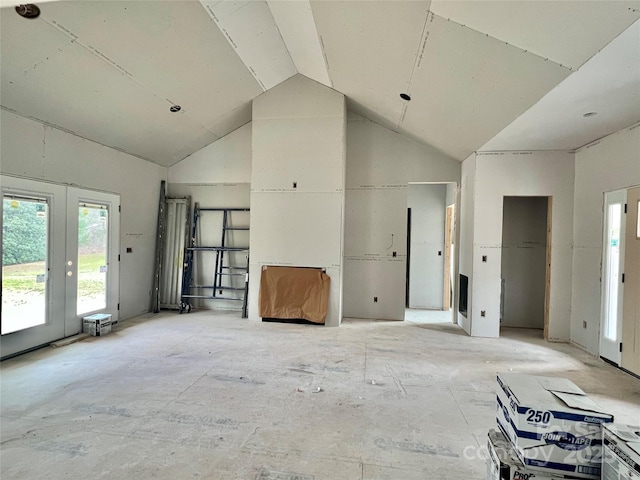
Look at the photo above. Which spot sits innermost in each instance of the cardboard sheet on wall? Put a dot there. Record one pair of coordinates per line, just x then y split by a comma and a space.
293, 293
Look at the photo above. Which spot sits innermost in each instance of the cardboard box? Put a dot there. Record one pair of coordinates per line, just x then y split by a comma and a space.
503, 462
552, 424
97, 325
621, 458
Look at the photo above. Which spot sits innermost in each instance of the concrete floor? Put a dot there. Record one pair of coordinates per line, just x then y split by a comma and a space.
210, 396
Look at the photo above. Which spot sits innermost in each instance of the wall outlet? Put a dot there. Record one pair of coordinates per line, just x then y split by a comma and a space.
483, 313
375, 299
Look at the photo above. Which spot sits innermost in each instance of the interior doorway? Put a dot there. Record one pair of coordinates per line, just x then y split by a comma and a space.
430, 251
525, 262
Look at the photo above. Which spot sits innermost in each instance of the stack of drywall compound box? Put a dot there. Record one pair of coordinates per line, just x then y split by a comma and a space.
621, 458
554, 430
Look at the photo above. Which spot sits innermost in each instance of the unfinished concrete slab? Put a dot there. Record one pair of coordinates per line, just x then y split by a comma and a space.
208, 395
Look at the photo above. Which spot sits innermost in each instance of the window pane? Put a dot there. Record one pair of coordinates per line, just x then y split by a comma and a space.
24, 262
93, 227
613, 271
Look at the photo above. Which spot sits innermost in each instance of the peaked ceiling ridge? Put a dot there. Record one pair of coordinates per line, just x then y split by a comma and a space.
322, 49
265, 40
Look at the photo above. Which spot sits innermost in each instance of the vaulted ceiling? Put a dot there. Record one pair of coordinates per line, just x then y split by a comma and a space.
480, 74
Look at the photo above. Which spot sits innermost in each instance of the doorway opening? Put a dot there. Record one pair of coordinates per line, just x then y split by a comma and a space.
525, 263
430, 262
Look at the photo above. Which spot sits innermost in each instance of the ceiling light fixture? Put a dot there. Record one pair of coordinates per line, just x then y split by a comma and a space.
590, 114
175, 108
28, 10
405, 96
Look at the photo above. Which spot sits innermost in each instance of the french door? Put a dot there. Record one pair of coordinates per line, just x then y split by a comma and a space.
612, 270
59, 261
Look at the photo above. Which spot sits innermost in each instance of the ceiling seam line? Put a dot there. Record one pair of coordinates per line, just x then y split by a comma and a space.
605, 46
524, 50
417, 60
234, 47
281, 37
321, 43
123, 71
108, 61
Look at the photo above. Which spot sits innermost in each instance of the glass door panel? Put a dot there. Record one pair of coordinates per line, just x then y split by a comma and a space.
612, 259
25, 227
93, 248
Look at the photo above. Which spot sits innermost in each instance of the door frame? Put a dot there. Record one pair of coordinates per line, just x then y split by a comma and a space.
75, 196
612, 352
59, 321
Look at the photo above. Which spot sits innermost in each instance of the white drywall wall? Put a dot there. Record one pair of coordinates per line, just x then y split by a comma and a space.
524, 253
466, 215
217, 176
32, 150
225, 161
298, 136
380, 165
611, 164
426, 264
521, 174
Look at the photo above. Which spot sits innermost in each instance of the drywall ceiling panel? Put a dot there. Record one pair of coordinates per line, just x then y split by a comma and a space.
371, 49
298, 29
20, 55
86, 96
173, 49
567, 32
469, 86
603, 85
252, 32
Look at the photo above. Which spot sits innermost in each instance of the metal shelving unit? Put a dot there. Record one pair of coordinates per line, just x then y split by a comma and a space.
225, 269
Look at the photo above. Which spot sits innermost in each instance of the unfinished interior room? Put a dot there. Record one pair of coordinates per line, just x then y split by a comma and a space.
307, 239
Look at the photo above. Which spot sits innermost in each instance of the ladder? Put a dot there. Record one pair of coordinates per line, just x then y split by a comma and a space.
224, 271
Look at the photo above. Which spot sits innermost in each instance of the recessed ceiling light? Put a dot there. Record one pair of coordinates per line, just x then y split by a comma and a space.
590, 114
28, 10
175, 108
405, 96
